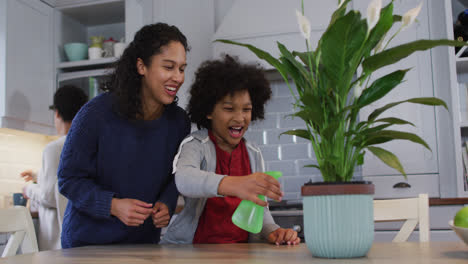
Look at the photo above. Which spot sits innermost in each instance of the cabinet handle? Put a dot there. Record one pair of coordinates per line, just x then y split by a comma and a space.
401, 185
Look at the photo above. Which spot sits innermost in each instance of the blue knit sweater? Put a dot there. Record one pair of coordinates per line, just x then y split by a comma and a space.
107, 156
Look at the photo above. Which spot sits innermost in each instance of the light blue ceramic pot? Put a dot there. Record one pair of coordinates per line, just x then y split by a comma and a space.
338, 226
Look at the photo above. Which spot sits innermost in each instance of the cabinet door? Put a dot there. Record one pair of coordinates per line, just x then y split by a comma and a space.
29, 66
418, 83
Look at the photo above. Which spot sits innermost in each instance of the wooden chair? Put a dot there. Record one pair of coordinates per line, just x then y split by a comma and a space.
413, 210
18, 222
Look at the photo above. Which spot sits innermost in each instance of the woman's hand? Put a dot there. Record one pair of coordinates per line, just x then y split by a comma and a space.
250, 186
284, 236
28, 175
131, 212
160, 215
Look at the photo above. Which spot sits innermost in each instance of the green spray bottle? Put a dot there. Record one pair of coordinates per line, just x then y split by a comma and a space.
249, 215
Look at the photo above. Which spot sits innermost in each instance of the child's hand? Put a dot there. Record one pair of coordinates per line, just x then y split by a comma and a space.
250, 186
284, 236
28, 175
160, 215
131, 212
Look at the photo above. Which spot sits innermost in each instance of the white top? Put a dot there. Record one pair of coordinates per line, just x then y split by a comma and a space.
43, 194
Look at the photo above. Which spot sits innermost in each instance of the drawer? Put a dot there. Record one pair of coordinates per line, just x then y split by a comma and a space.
424, 183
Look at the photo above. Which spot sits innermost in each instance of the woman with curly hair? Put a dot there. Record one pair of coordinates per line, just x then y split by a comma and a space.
116, 165
216, 166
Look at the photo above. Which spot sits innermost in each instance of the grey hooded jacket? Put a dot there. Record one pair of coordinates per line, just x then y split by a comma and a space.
196, 180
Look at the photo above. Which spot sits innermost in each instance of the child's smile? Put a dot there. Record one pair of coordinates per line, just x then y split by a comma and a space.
230, 119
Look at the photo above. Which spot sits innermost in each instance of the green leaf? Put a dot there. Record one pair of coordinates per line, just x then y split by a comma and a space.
388, 158
394, 121
395, 54
418, 100
360, 158
381, 87
339, 12
375, 129
295, 65
388, 135
330, 130
428, 101
295, 75
397, 18
340, 44
312, 166
298, 132
262, 55
304, 56
310, 116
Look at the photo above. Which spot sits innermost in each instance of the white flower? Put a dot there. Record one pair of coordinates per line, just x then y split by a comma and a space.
373, 14
410, 16
357, 91
304, 25
341, 3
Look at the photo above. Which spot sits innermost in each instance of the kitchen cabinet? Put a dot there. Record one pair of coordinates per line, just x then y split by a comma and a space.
421, 165
77, 21
449, 73
27, 65
32, 35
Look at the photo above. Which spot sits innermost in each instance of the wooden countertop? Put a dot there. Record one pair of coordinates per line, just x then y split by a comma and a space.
401, 253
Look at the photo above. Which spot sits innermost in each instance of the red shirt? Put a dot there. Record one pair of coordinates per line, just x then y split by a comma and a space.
215, 224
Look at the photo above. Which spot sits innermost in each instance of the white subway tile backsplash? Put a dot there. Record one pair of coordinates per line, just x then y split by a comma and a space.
286, 167
19, 151
274, 137
295, 151
279, 105
281, 89
291, 122
270, 153
294, 184
270, 121
255, 136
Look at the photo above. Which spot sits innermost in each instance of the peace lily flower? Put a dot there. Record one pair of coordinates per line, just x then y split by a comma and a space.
373, 14
357, 91
304, 25
410, 16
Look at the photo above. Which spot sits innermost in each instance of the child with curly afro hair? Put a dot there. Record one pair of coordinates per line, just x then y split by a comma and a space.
216, 166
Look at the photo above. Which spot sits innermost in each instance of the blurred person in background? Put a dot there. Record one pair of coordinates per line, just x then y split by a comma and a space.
67, 102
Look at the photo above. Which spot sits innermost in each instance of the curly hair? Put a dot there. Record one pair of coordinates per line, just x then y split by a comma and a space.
215, 79
68, 100
125, 82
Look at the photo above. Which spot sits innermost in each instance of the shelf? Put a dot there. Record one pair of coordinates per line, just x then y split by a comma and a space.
93, 13
86, 64
83, 74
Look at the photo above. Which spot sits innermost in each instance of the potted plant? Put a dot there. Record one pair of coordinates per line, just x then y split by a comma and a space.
333, 83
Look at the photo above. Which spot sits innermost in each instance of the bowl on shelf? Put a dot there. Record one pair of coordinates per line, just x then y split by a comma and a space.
461, 232
76, 51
